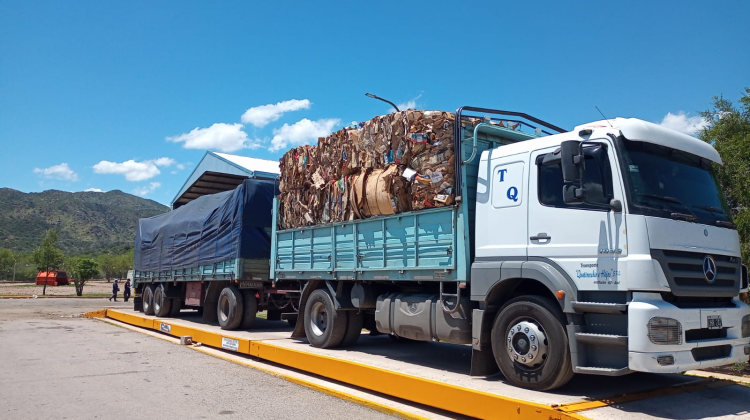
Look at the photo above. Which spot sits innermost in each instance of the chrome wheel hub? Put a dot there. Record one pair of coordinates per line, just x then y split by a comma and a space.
318, 318
526, 343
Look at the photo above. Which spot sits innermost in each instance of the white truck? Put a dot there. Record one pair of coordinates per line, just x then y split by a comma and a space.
603, 250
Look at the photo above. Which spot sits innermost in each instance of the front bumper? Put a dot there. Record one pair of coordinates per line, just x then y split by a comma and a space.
643, 354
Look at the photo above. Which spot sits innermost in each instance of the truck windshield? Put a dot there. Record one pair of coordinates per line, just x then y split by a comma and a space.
670, 183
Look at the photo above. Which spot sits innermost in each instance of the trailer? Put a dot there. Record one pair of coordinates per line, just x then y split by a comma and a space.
212, 255
603, 250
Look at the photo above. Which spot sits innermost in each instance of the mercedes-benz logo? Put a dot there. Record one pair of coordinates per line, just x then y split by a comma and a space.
709, 269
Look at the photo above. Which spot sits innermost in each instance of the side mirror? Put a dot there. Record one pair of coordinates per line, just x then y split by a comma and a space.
569, 160
615, 205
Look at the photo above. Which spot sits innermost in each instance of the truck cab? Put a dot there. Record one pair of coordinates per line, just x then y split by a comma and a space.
625, 222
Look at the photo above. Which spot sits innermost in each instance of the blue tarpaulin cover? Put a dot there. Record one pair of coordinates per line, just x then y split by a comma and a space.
210, 229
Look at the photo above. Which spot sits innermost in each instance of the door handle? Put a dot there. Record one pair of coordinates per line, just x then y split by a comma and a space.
541, 237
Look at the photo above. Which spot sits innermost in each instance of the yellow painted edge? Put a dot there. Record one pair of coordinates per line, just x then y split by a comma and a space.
702, 374
431, 393
625, 398
317, 387
101, 313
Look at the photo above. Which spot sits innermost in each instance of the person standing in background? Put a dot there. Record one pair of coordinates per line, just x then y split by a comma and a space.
115, 289
126, 292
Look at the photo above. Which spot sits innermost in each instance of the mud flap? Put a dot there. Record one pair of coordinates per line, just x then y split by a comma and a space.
307, 289
211, 303
138, 304
482, 360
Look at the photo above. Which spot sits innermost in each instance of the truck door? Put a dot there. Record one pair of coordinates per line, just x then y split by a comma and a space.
501, 206
587, 240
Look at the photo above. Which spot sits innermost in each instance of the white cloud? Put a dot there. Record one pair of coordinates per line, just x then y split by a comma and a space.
682, 123
134, 171
220, 136
260, 116
301, 132
61, 171
92, 190
180, 166
142, 191
410, 104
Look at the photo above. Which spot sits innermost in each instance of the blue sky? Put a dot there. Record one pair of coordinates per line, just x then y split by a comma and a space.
129, 95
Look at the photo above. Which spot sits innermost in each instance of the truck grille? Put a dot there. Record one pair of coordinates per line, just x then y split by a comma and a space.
684, 272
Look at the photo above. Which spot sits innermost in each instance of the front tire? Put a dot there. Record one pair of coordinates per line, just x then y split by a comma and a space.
148, 300
162, 304
530, 344
324, 325
229, 309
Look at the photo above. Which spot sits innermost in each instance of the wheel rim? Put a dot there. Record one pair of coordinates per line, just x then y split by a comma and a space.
224, 308
157, 304
527, 343
318, 319
146, 303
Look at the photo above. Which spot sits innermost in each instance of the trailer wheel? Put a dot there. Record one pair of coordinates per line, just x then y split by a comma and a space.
229, 308
530, 344
162, 304
324, 325
176, 307
250, 309
148, 300
354, 323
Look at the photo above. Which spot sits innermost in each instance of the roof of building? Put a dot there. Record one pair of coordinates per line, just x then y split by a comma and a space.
218, 172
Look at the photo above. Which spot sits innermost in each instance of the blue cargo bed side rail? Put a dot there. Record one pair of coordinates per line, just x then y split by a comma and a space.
419, 245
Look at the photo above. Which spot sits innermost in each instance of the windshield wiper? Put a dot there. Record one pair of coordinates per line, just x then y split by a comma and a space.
722, 223
675, 215
726, 223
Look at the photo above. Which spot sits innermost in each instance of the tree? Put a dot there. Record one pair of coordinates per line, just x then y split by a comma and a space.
48, 256
728, 130
84, 269
107, 264
8, 261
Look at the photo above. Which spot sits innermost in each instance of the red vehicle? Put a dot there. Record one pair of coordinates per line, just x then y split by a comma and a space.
52, 278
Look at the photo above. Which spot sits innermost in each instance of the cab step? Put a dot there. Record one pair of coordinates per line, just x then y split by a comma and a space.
599, 307
602, 339
603, 371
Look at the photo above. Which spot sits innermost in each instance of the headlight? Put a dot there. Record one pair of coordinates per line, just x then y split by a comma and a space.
664, 331
746, 326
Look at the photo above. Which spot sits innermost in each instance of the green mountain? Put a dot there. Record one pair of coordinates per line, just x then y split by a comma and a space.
85, 221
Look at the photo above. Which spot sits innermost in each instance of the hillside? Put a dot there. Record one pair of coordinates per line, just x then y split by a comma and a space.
85, 221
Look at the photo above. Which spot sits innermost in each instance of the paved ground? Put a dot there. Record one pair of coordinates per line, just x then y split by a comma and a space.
55, 366
29, 289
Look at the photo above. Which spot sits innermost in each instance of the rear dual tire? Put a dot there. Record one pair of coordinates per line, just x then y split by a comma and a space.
148, 299
326, 327
230, 307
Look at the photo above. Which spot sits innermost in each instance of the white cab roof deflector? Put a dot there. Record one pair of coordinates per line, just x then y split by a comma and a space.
639, 130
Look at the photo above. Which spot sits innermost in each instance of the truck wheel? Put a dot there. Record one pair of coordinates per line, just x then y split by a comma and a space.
250, 309
353, 328
324, 325
148, 300
176, 307
229, 308
162, 304
530, 344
